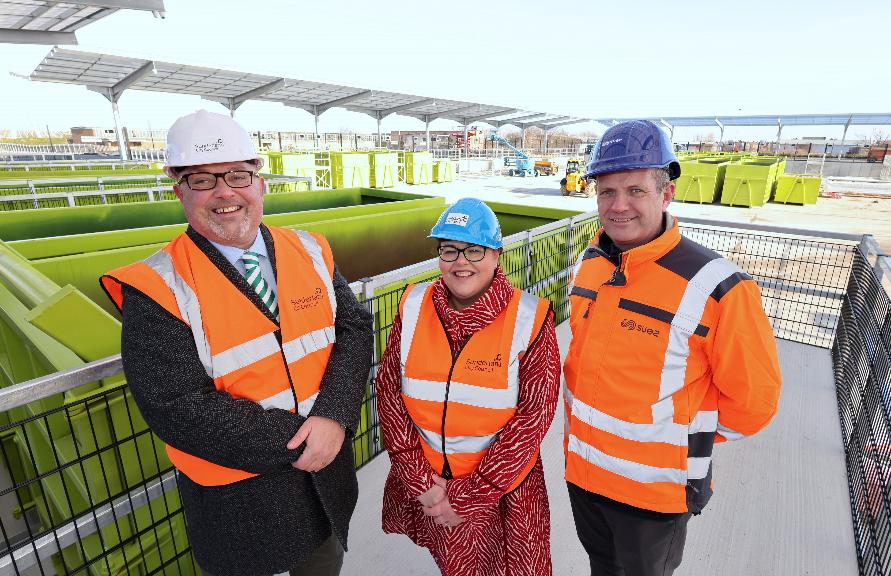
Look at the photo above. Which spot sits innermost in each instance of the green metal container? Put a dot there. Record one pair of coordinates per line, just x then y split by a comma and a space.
748, 183
349, 170
383, 169
797, 189
700, 181
298, 165
443, 171
418, 167
272, 163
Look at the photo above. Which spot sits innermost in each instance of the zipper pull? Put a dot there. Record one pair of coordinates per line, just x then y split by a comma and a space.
587, 310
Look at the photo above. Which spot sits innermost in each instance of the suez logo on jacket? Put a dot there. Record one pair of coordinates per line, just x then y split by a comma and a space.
631, 325
307, 301
477, 365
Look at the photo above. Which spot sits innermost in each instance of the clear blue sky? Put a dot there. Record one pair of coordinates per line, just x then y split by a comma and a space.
585, 58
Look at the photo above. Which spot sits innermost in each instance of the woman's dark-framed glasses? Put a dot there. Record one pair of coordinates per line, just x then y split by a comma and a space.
472, 253
207, 180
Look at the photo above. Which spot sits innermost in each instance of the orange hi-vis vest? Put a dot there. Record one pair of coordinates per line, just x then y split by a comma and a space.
247, 355
460, 403
671, 351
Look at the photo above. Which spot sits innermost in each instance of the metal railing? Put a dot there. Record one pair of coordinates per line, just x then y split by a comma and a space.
861, 356
83, 190
89, 489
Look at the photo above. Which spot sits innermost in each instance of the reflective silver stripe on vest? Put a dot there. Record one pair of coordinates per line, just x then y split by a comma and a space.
308, 343
461, 393
729, 434
283, 400
704, 421
686, 319
523, 327
162, 263
411, 312
631, 470
244, 354
667, 432
318, 262
457, 444
697, 468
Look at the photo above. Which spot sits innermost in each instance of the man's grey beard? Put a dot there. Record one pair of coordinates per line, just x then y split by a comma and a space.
220, 231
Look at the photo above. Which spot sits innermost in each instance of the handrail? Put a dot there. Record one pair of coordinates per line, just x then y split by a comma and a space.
58, 382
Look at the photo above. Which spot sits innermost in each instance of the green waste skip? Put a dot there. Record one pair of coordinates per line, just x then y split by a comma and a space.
349, 170
418, 167
79, 259
700, 181
293, 164
443, 171
383, 169
89, 219
797, 189
748, 183
89, 452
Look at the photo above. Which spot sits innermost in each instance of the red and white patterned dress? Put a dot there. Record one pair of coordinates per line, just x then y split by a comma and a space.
504, 534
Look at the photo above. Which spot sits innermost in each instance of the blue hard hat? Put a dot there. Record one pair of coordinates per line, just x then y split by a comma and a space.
469, 220
632, 145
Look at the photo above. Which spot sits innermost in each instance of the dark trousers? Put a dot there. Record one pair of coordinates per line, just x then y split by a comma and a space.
622, 540
326, 560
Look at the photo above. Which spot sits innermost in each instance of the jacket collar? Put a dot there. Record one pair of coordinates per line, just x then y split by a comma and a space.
652, 250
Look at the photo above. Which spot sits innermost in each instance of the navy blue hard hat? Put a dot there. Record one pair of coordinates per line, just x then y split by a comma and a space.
469, 220
633, 145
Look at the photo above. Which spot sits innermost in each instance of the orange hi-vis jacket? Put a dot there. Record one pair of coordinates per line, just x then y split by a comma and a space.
671, 351
247, 355
460, 404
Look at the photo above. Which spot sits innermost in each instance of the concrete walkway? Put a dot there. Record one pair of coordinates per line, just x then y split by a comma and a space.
780, 506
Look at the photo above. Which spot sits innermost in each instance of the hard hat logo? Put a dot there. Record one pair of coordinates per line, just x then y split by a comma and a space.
204, 137
211, 146
457, 218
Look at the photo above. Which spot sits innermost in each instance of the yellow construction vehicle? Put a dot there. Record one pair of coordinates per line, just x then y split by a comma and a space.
575, 182
545, 168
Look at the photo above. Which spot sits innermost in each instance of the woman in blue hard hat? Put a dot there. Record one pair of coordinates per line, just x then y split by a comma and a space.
467, 388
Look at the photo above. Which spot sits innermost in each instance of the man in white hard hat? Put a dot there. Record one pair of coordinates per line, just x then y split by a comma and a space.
248, 354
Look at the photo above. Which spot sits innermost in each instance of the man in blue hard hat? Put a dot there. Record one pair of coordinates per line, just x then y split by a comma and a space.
671, 353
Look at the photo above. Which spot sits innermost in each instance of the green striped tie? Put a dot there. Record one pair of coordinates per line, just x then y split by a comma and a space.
258, 283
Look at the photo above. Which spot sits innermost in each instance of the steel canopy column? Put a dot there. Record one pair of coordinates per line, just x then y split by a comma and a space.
377, 115
122, 145
427, 130
315, 113
845, 133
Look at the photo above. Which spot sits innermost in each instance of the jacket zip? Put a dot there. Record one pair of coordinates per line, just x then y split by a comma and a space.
446, 469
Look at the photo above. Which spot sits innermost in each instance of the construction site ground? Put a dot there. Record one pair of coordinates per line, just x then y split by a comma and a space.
862, 206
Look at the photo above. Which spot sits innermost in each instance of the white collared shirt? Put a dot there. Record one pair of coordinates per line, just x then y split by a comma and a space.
233, 255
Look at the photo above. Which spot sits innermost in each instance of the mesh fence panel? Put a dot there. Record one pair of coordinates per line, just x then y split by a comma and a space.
861, 355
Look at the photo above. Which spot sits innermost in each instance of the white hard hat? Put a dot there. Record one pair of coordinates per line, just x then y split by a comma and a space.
204, 137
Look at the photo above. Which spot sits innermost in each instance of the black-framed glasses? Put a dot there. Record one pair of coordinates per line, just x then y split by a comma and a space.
472, 253
208, 180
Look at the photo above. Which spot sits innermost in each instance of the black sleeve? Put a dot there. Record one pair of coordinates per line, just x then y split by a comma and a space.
346, 376
180, 403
